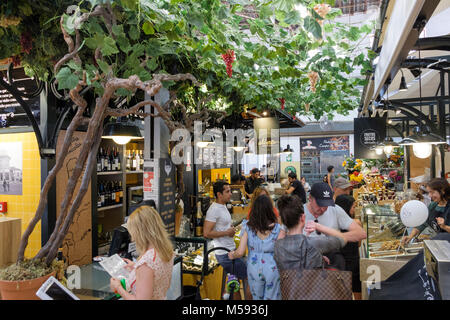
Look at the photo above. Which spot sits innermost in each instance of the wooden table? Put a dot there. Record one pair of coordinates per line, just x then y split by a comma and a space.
10, 232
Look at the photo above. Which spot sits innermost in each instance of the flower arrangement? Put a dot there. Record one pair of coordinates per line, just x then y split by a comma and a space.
351, 164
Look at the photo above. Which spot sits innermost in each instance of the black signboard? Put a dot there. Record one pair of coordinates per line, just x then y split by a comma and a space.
368, 132
167, 190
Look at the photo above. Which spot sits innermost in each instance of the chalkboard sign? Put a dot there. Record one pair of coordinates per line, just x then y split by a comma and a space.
368, 133
167, 190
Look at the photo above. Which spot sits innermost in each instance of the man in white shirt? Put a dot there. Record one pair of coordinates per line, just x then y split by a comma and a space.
321, 209
218, 227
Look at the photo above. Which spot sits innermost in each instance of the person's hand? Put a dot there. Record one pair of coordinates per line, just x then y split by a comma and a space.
231, 232
310, 227
115, 285
231, 255
405, 240
130, 264
440, 221
326, 259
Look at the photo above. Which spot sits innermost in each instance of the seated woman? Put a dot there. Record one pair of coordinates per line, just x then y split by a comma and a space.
296, 249
438, 211
151, 274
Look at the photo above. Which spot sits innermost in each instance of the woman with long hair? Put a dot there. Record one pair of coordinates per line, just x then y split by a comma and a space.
151, 274
259, 235
263, 191
438, 210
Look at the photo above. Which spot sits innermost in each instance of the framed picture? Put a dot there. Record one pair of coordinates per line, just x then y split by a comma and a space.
11, 168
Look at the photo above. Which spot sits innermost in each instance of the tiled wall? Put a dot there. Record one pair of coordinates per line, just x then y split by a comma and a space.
24, 206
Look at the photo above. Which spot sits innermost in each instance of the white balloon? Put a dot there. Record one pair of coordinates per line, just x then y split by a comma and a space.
413, 213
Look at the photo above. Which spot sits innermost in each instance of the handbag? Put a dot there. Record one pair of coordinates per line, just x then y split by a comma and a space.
315, 284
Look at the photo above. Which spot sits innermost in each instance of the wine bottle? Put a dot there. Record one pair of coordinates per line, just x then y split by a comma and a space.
111, 161
117, 160
113, 194
117, 191
120, 191
105, 161
199, 221
133, 162
138, 161
128, 167
102, 194
99, 197
99, 160
141, 165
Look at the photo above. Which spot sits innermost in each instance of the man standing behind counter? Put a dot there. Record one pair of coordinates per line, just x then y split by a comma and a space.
218, 226
253, 181
321, 209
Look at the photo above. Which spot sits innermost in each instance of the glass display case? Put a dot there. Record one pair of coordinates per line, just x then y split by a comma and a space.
193, 251
384, 233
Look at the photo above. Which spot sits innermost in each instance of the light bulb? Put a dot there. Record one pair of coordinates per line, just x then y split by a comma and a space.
379, 151
422, 150
388, 149
121, 139
238, 149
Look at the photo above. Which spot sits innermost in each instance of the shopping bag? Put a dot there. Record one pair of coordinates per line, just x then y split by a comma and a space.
316, 284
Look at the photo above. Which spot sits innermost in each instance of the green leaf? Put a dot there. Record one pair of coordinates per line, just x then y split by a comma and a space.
109, 46
293, 17
103, 66
134, 33
311, 25
147, 27
66, 79
152, 64
73, 65
265, 12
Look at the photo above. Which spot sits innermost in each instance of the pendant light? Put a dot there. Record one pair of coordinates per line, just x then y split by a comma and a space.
288, 149
422, 139
403, 87
389, 145
121, 132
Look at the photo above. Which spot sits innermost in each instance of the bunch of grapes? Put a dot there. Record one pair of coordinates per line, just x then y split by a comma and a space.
282, 100
26, 42
229, 58
313, 77
322, 10
5, 22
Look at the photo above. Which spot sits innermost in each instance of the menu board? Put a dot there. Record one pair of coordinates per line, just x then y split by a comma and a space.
368, 133
167, 190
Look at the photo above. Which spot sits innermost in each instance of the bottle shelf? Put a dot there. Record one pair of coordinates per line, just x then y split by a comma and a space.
109, 207
105, 173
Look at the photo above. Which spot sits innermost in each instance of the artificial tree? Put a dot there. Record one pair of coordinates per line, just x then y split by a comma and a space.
120, 48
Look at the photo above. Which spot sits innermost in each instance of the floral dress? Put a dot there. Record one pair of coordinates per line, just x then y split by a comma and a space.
262, 272
162, 274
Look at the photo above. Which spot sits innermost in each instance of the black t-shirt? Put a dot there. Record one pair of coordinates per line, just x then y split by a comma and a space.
299, 190
251, 184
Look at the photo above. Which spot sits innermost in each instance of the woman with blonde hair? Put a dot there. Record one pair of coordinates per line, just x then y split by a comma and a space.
151, 274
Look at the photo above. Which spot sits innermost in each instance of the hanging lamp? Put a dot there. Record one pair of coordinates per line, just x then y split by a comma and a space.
422, 139
121, 132
403, 87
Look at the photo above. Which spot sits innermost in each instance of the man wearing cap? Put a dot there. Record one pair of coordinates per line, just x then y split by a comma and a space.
253, 181
320, 209
342, 186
